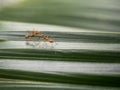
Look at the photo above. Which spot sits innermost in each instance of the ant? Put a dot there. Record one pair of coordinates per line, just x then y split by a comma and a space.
33, 34
40, 35
50, 40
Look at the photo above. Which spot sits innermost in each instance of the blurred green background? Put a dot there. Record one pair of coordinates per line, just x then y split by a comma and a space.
87, 56
93, 14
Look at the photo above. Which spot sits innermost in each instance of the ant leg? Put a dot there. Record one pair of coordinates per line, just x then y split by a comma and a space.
35, 44
27, 40
28, 43
44, 44
38, 42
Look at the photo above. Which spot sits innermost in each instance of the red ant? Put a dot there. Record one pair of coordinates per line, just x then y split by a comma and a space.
33, 34
46, 38
37, 33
